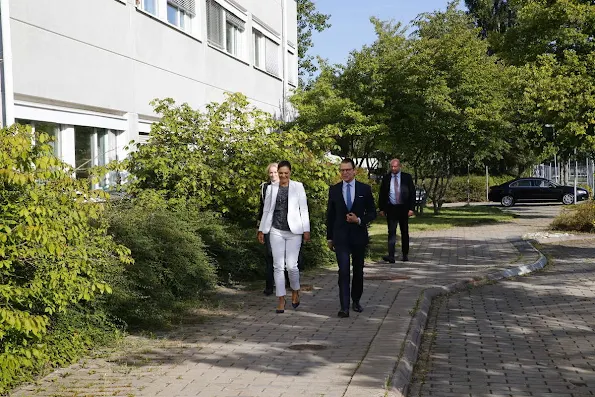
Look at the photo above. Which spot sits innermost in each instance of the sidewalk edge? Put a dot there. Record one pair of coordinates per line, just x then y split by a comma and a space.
404, 370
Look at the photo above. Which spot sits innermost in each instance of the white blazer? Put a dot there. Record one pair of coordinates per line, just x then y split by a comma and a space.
297, 208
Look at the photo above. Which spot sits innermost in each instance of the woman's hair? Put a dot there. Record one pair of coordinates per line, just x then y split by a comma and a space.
271, 165
284, 163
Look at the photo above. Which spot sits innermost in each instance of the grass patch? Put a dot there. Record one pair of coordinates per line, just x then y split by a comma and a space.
448, 218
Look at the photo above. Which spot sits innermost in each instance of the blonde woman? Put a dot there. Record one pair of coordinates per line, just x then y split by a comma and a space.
286, 219
268, 255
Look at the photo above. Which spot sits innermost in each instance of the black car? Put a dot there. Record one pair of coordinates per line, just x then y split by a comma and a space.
534, 189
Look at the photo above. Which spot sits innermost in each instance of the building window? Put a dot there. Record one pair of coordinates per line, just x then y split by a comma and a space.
149, 6
51, 129
176, 17
266, 53
224, 30
180, 13
258, 49
90, 149
291, 68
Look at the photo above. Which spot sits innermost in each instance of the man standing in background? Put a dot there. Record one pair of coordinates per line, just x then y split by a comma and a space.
396, 201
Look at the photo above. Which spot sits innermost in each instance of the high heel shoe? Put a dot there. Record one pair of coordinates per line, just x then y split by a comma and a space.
281, 304
295, 296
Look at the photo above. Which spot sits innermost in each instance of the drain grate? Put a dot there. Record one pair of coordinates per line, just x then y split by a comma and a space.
385, 277
307, 346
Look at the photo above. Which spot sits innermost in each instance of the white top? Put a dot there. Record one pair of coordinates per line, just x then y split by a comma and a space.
298, 217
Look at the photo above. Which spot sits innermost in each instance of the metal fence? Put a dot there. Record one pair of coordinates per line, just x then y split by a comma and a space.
564, 172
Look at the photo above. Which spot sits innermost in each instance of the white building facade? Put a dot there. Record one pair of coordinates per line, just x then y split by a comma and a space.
87, 70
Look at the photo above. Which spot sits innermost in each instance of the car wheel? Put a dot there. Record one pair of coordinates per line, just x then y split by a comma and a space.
568, 199
507, 201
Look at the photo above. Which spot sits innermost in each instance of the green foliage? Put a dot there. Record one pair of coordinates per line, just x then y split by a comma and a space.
309, 19
561, 93
235, 250
492, 16
435, 99
578, 218
72, 334
458, 187
171, 264
551, 45
214, 162
217, 158
53, 248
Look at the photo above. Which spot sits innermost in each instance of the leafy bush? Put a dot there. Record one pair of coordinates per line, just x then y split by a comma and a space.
217, 158
53, 249
171, 264
579, 218
213, 162
72, 334
235, 251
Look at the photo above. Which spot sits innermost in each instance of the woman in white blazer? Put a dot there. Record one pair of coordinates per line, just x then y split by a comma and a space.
286, 220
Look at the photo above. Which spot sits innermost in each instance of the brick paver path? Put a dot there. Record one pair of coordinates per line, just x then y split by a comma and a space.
308, 352
530, 336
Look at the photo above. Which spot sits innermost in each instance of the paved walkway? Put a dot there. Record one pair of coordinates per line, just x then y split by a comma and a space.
529, 336
307, 352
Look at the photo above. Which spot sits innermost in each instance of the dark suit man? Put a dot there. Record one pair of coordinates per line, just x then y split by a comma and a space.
396, 201
349, 211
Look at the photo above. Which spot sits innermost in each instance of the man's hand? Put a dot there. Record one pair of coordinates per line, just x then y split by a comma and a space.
381, 213
410, 213
352, 218
306, 237
260, 236
331, 246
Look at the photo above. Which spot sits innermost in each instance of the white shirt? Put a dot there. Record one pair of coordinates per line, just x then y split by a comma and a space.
392, 198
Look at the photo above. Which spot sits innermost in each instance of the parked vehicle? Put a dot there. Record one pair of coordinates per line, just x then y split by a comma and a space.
534, 189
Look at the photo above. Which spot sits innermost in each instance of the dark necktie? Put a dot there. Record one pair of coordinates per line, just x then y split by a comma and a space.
397, 191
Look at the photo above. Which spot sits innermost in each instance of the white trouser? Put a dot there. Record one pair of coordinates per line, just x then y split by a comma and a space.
286, 249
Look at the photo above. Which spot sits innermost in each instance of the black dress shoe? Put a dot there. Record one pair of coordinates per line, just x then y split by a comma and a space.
343, 314
268, 292
405, 258
357, 307
388, 259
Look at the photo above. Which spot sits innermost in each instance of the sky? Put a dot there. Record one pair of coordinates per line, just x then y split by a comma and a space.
351, 27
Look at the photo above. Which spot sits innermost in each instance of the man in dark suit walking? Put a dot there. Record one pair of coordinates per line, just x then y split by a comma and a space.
396, 201
349, 211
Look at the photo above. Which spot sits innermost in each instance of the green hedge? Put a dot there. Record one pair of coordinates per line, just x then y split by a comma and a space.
457, 189
171, 265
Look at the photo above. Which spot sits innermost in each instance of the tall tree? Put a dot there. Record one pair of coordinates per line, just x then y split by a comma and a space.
309, 20
552, 43
446, 100
492, 16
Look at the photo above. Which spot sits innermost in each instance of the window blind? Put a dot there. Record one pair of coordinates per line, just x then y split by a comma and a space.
215, 25
272, 57
235, 21
186, 5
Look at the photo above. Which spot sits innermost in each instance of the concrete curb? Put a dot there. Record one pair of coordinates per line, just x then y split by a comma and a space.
404, 370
